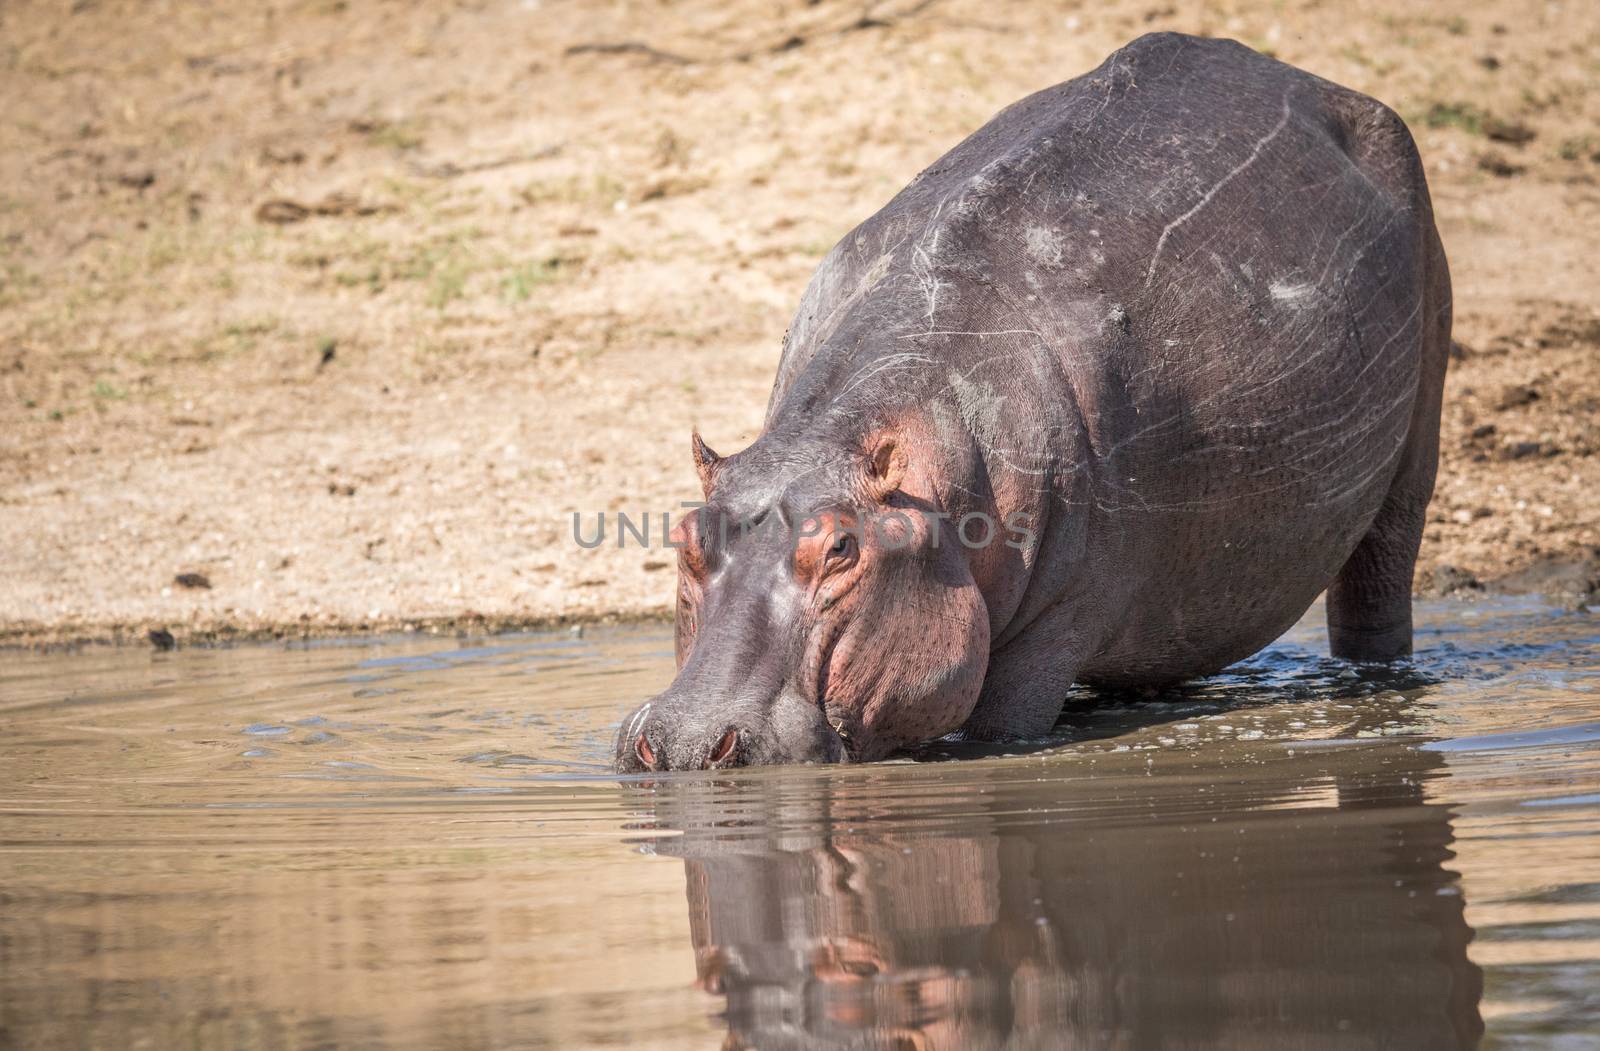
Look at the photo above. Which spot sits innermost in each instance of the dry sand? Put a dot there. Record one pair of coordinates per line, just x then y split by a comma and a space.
345, 307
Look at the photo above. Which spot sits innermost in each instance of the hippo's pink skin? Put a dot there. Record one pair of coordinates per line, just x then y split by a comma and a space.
1187, 316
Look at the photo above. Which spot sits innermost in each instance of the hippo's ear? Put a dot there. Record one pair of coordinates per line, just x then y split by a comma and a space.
706, 463
886, 465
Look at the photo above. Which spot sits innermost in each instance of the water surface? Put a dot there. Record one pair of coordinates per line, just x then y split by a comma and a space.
415, 843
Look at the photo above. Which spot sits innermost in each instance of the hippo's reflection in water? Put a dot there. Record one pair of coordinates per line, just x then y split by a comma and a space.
1063, 912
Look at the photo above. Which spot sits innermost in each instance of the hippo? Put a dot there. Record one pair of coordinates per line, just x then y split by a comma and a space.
1123, 383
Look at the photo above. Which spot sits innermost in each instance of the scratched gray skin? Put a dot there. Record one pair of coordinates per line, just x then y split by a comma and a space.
1188, 314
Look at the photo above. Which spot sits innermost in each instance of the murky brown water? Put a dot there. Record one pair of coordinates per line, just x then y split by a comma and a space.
415, 844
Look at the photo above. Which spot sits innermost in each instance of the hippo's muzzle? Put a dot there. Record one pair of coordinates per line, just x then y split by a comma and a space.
674, 732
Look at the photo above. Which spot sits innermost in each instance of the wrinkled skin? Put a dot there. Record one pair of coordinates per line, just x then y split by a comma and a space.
1186, 317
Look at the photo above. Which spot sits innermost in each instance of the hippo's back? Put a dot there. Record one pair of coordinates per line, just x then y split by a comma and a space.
1221, 271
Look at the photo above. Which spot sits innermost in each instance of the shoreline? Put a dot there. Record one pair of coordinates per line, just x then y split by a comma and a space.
146, 634
1570, 582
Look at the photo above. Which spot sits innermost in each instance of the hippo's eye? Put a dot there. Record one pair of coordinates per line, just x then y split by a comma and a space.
841, 552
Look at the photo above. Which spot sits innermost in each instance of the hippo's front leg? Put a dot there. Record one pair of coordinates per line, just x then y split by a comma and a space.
1024, 688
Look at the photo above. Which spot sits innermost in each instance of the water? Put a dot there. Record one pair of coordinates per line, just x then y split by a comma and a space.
415, 843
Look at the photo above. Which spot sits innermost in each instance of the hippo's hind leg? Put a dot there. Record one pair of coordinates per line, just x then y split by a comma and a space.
1369, 602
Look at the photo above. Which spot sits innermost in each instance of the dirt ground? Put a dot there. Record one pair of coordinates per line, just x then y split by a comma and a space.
338, 310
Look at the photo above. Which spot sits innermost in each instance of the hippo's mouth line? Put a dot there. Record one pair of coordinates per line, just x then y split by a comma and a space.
845, 754
835, 725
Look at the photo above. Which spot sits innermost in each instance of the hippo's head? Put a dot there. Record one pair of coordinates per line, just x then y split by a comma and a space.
826, 612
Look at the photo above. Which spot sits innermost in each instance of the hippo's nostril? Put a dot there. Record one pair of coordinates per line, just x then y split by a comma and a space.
647, 755
724, 747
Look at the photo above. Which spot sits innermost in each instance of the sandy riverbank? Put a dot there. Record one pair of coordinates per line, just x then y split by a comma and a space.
345, 307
